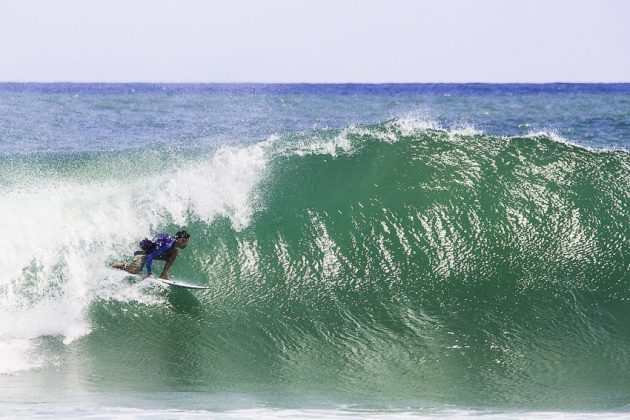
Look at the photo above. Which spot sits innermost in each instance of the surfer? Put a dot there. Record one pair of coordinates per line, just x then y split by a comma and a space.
163, 247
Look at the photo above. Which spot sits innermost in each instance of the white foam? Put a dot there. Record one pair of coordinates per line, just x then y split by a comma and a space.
63, 233
410, 125
465, 130
555, 136
225, 187
338, 145
17, 356
348, 140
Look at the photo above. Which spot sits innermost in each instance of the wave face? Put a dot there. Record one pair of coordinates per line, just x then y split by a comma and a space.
395, 261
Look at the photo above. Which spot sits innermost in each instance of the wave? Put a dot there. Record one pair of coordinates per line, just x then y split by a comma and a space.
398, 259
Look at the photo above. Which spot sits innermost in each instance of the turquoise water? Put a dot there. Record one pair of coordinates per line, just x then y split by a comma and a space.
372, 251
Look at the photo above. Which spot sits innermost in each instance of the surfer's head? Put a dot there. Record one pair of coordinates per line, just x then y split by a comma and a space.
181, 239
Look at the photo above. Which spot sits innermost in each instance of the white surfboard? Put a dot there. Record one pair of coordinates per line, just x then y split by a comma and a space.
179, 284
173, 283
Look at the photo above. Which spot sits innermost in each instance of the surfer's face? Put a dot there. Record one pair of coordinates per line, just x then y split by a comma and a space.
182, 243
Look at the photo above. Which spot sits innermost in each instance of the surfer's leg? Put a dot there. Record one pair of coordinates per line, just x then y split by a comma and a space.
122, 266
129, 268
139, 258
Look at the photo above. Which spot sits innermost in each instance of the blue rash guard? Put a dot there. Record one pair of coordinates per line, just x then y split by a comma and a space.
163, 243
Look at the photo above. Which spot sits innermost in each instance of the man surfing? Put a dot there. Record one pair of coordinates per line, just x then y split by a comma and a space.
162, 247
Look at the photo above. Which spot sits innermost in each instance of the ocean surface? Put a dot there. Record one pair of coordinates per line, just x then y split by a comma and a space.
373, 251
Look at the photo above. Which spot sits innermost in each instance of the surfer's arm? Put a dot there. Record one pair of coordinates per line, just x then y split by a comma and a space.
169, 262
164, 274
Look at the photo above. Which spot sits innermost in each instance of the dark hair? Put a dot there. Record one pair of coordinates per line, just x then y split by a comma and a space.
182, 234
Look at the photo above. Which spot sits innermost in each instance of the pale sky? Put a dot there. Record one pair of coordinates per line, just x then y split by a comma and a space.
360, 41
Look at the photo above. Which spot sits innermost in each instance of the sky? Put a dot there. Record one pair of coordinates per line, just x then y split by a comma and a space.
323, 41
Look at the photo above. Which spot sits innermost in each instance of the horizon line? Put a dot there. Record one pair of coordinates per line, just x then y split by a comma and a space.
306, 83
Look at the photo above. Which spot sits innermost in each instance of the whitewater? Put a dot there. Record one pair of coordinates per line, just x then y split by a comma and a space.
373, 251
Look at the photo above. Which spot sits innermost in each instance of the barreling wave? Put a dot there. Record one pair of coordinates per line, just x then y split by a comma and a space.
397, 260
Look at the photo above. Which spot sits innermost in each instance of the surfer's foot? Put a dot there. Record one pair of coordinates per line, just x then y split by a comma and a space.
119, 265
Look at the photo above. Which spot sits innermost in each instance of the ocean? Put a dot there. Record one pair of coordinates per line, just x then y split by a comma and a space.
373, 251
